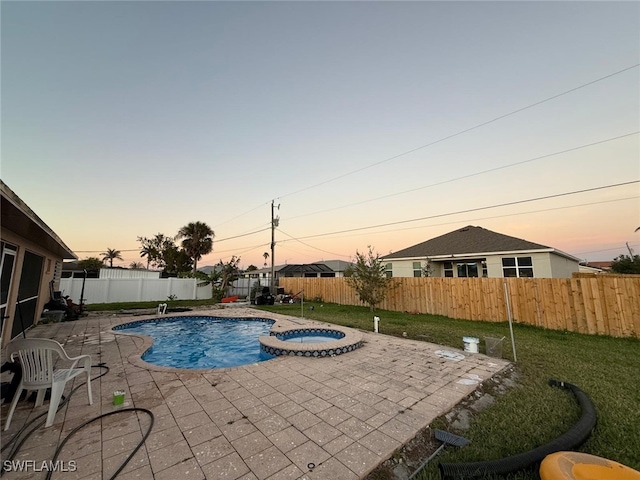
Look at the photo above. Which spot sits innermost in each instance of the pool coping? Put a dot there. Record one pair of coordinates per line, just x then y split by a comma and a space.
352, 340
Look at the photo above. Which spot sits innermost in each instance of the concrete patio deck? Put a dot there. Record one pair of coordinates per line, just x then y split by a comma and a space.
287, 418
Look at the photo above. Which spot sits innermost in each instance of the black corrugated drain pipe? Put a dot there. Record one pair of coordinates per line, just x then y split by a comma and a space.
570, 440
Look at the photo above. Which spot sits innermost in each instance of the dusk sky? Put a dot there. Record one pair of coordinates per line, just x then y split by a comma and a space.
369, 123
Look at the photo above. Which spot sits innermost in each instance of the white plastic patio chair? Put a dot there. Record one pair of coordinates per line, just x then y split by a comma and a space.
37, 359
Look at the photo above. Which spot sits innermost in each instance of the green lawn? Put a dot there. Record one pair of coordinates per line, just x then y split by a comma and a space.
531, 413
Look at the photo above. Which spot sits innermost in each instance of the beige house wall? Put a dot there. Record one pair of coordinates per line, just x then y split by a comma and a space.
48, 270
562, 267
545, 265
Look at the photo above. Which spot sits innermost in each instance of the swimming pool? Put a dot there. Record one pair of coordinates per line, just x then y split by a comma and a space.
310, 335
202, 341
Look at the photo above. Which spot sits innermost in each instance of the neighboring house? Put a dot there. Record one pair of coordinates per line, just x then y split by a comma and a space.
32, 256
263, 274
308, 270
324, 269
585, 268
338, 266
598, 267
477, 252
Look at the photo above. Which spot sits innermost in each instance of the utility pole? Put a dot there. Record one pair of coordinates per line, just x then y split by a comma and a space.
274, 223
630, 250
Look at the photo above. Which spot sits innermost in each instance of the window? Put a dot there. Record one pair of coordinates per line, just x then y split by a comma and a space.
448, 269
388, 270
7, 265
485, 273
521, 267
467, 269
417, 269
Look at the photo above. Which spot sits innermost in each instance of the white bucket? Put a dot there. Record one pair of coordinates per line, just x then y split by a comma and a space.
471, 344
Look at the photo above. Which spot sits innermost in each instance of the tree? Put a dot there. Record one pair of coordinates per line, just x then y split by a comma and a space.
626, 264
265, 255
136, 265
155, 249
221, 277
251, 268
197, 241
368, 278
91, 264
176, 260
111, 254
427, 268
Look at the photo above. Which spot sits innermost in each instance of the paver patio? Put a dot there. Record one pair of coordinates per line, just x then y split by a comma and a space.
287, 418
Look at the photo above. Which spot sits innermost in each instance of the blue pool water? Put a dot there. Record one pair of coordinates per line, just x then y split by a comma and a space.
310, 336
203, 342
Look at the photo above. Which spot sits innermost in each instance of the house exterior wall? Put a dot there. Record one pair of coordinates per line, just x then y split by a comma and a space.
545, 265
51, 265
403, 268
562, 267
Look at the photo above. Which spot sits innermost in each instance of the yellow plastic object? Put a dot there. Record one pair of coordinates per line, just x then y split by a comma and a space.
582, 466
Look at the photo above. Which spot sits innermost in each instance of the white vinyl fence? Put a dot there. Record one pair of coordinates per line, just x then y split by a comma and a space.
110, 290
241, 287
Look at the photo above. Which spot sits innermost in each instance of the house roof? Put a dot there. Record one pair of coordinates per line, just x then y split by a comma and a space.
336, 265
470, 240
20, 219
306, 268
599, 265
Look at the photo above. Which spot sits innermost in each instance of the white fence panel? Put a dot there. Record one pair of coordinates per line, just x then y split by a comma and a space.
241, 287
127, 273
203, 292
110, 290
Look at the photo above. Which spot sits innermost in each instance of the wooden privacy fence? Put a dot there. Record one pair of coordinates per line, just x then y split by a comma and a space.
603, 304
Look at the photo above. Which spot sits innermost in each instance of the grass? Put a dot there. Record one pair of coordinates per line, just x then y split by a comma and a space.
531, 413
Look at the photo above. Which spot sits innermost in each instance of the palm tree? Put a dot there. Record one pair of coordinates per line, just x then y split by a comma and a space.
197, 241
110, 255
265, 255
147, 250
136, 265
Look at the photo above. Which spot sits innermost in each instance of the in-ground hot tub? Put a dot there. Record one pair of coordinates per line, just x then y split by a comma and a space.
310, 341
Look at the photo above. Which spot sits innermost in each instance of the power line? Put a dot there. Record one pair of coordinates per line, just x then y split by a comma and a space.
467, 176
621, 247
466, 130
242, 235
517, 202
497, 216
310, 246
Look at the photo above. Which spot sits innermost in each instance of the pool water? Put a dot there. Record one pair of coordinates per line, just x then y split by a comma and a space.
310, 336
309, 339
203, 342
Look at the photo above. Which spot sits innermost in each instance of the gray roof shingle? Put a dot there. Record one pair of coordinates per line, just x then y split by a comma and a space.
468, 240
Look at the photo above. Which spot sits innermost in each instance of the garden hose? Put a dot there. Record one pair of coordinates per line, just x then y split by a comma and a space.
18, 442
571, 439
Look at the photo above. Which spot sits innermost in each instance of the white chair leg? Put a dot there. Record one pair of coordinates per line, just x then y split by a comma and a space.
56, 395
14, 402
40, 397
89, 388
